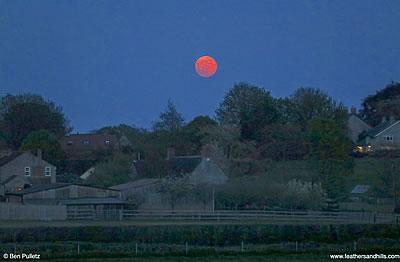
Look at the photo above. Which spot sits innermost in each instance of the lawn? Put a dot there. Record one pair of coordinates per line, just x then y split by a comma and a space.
221, 258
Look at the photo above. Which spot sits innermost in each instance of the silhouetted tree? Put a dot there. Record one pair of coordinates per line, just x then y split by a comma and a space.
47, 142
385, 103
21, 115
249, 108
170, 120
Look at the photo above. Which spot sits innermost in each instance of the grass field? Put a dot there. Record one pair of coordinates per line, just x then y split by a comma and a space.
221, 258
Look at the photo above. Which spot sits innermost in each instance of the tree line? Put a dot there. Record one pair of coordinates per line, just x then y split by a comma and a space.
250, 128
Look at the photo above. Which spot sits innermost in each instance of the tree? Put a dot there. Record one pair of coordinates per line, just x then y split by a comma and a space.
384, 103
170, 120
175, 188
283, 142
310, 103
21, 115
196, 131
331, 149
249, 108
45, 141
115, 170
204, 193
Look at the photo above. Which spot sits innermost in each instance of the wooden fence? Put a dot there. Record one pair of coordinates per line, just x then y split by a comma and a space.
289, 217
9, 211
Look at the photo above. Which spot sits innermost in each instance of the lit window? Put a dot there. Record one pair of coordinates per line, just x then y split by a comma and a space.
47, 171
27, 171
107, 142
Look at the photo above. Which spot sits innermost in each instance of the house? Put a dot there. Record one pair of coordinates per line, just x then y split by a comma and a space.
356, 126
385, 136
87, 146
21, 170
199, 169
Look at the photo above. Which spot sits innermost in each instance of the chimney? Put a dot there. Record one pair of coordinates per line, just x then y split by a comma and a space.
39, 153
170, 153
353, 110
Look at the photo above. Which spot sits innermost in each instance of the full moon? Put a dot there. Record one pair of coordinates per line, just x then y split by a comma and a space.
206, 66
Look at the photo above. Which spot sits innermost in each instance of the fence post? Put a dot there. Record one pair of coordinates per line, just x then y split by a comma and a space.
121, 214
136, 248
355, 245
242, 247
186, 248
79, 248
297, 246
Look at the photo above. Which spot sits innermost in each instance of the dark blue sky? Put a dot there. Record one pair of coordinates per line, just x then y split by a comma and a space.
111, 62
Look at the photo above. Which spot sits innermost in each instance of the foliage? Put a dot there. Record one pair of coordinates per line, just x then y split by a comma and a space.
304, 195
248, 107
260, 193
170, 120
309, 103
23, 114
384, 103
47, 142
330, 148
327, 140
283, 142
174, 188
204, 193
197, 131
115, 170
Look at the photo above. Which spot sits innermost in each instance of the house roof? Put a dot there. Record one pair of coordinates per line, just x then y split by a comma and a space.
39, 188
381, 127
183, 164
360, 189
92, 200
6, 159
8, 179
207, 172
136, 183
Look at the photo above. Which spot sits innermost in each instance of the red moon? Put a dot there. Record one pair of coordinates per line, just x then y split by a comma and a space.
206, 66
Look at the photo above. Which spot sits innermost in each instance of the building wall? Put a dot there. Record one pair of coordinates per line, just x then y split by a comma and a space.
10, 211
37, 165
380, 142
355, 127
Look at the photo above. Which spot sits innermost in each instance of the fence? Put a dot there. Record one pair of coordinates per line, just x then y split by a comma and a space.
290, 217
10, 211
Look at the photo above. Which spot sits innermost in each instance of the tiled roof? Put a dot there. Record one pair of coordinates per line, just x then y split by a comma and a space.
8, 179
9, 158
39, 188
136, 183
92, 200
183, 164
381, 127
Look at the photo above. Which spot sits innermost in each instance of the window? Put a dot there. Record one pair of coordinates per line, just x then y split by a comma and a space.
107, 142
86, 142
27, 171
389, 138
47, 171
69, 142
